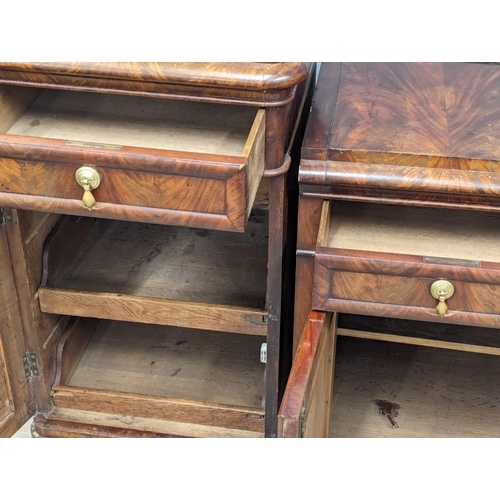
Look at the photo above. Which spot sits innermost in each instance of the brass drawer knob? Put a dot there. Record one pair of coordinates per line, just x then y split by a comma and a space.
89, 178
442, 290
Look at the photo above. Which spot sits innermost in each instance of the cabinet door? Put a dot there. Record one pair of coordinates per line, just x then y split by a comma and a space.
305, 409
16, 397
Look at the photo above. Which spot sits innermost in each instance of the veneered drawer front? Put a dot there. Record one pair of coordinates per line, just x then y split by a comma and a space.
176, 168
368, 279
405, 297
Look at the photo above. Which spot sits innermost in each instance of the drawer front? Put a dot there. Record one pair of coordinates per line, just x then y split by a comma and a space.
404, 297
385, 261
152, 161
127, 194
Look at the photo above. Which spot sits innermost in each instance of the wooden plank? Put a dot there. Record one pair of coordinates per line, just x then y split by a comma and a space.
319, 394
255, 151
79, 398
46, 427
13, 102
427, 392
401, 339
121, 307
62, 246
72, 346
115, 423
16, 396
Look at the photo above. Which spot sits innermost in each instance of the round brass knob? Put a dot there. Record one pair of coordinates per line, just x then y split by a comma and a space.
89, 178
442, 290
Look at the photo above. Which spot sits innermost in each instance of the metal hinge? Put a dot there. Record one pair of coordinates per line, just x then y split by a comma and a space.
273, 314
263, 353
5, 216
30, 364
302, 421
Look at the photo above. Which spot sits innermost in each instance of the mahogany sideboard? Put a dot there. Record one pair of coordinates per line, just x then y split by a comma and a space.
142, 234
398, 265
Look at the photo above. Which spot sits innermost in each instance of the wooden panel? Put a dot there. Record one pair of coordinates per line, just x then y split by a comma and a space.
72, 346
6, 399
62, 422
13, 102
412, 292
304, 411
322, 111
427, 392
16, 397
41, 331
196, 412
264, 84
154, 311
417, 110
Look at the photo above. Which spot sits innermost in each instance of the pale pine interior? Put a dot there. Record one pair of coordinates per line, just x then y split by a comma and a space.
138, 121
452, 234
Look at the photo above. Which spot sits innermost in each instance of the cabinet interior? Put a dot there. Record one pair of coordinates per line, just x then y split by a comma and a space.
166, 274
384, 389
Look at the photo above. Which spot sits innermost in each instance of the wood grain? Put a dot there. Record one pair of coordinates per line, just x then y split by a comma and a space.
13, 102
72, 346
172, 362
121, 307
166, 262
116, 425
52, 428
402, 339
262, 84
304, 411
138, 121
440, 393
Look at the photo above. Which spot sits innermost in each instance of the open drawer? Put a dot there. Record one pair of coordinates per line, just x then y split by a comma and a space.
408, 262
144, 159
148, 378
165, 275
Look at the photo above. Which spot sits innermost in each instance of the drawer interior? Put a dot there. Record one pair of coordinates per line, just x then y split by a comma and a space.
169, 373
425, 392
406, 230
158, 274
134, 121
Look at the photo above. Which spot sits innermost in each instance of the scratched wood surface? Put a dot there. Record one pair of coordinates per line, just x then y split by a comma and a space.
171, 262
438, 393
137, 121
173, 362
451, 234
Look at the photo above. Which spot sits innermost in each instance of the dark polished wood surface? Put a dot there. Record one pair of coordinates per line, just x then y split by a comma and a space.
399, 113
265, 84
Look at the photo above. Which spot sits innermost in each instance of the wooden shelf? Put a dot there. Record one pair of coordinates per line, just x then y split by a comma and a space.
148, 371
158, 274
